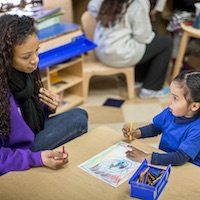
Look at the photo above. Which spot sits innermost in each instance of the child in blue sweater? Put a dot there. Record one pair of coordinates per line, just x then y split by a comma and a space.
179, 125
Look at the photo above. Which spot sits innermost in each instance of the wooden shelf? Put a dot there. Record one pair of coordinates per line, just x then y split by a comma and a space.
61, 66
70, 71
72, 99
44, 79
69, 82
70, 76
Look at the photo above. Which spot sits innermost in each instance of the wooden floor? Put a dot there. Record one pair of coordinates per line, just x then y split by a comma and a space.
138, 111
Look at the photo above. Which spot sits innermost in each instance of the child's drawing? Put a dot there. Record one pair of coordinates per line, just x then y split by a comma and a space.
111, 165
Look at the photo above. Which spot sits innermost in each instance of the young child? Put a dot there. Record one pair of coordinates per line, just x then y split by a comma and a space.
179, 125
125, 38
27, 134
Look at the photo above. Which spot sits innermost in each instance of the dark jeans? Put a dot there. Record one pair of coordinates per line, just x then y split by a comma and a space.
152, 68
60, 129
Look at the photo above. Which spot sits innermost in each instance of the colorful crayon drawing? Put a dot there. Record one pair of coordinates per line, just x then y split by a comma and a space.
111, 166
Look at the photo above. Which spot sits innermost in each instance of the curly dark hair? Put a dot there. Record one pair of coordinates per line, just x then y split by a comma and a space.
14, 30
189, 81
111, 11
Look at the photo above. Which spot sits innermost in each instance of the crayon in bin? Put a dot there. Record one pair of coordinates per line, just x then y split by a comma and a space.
149, 189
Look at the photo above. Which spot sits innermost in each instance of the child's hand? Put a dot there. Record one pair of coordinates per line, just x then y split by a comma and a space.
54, 160
138, 155
153, 14
50, 99
135, 133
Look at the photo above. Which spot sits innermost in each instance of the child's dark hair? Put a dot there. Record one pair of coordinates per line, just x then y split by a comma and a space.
189, 80
14, 30
112, 10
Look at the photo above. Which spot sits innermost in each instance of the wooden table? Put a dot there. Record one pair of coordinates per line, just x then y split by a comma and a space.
72, 183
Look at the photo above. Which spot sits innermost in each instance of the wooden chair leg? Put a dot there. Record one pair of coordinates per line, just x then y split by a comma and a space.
130, 83
181, 53
86, 84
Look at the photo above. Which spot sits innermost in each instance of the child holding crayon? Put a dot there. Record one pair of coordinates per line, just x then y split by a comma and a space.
179, 125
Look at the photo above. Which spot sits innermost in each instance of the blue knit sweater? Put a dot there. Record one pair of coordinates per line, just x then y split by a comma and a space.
180, 138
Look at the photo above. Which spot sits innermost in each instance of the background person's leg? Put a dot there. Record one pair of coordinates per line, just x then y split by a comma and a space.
155, 62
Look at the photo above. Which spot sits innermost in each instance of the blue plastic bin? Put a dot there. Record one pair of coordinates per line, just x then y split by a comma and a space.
65, 52
144, 191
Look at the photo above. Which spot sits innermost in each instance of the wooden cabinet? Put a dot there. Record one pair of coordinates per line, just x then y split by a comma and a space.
65, 79
61, 62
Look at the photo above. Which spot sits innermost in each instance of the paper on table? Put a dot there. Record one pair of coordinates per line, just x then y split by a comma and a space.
111, 166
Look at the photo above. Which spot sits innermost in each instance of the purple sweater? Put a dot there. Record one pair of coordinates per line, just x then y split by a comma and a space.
15, 153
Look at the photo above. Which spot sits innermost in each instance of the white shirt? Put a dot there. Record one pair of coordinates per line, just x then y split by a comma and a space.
125, 43
160, 5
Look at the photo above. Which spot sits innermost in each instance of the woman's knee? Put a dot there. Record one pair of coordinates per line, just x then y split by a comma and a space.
80, 111
85, 124
82, 117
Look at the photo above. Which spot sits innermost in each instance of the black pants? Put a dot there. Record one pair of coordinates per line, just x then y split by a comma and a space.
152, 68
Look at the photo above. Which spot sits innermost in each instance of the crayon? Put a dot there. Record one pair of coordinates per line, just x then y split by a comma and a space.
156, 181
131, 126
160, 176
146, 170
150, 175
146, 178
141, 177
63, 159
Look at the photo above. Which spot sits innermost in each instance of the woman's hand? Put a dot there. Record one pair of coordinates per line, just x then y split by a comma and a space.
50, 99
135, 133
138, 155
54, 160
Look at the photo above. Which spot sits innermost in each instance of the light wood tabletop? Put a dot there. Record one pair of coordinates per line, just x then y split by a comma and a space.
72, 183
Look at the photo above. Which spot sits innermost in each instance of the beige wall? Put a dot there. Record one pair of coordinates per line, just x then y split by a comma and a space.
66, 6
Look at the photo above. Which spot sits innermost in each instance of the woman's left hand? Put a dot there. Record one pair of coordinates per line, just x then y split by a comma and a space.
50, 99
138, 155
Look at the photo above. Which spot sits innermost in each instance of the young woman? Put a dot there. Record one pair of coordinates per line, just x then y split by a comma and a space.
27, 134
178, 124
125, 38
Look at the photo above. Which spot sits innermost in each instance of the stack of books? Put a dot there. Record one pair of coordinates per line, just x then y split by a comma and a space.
46, 18
43, 18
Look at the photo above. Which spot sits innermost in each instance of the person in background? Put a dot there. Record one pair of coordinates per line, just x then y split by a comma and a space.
27, 133
125, 38
179, 125
157, 7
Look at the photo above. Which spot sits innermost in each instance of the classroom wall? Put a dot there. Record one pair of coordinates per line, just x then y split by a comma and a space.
66, 6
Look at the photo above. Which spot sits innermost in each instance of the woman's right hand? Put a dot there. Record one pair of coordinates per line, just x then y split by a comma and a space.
135, 133
53, 159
